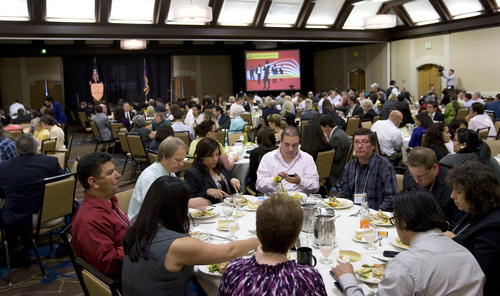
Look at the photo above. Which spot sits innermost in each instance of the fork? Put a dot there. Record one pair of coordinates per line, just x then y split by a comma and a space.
355, 214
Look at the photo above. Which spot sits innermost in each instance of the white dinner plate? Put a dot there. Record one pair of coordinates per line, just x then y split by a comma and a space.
292, 193
225, 229
392, 241
238, 214
325, 201
246, 208
370, 280
358, 240
204, 269
205, 217
382, 224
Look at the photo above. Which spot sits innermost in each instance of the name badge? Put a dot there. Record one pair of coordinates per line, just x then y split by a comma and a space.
358, 198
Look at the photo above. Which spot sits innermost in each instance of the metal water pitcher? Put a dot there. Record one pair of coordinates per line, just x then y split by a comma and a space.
324, 226
309, 210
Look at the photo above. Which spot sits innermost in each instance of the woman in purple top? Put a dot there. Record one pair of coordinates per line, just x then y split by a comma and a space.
269, 272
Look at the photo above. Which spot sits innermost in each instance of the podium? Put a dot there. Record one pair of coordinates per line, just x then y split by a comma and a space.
97, 90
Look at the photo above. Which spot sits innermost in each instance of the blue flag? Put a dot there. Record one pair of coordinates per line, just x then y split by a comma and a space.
146, 80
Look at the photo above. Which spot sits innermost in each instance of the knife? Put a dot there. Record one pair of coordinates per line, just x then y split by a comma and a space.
218, 236
381, 259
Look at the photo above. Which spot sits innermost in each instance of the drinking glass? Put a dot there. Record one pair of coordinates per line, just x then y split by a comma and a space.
326, 243
370, 235
232, 226
303, 241
238, 200
227, 209
316, 198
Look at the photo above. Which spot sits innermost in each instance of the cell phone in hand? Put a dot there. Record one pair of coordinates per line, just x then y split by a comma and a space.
291, 175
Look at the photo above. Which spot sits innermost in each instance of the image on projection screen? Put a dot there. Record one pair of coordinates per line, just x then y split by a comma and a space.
272, 70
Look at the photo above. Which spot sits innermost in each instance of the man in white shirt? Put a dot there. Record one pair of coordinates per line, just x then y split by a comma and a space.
237, 106
334, 97
478, 119
171, 154
301, 101
389, 136
196, 119
450, 79
14, 107
324, 96
258, 99
461, 97
434, 264
179, 127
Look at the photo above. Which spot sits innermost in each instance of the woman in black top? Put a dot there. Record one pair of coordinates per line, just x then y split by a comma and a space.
207, 177
313, 140
267, 142
436, 137
162, 132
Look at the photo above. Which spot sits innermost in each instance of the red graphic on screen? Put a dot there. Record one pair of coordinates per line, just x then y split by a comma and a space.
272, 70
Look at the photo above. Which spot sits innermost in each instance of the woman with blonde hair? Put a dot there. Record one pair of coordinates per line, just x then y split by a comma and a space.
277, 124
391, 102
209, 115
287, 112
267, 100
39, 132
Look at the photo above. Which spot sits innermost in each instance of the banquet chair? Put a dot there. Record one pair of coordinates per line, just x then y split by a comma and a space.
298, 114
262, 122
352, 126
399, 181
366, 124
494, 146
57, 202
497, 128
115, 127
16, 133
98, 138
184, 137
483, 132
153, 156
83, 121
48, 145
462, 113
95, 282
324, 165
124, 199
66, 236
303, 124
221, 137
247, 117
376, 118
125, 147
138, 152
233, 138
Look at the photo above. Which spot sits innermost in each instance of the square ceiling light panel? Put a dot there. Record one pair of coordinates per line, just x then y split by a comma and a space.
359, 12
14, 10
283, 13
324, 13
237, 12
463, 8
422, 12
176, 4
75, 11
132, 11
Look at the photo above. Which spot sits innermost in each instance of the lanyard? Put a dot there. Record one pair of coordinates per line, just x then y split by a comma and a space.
356, 180
119, 216
461, 230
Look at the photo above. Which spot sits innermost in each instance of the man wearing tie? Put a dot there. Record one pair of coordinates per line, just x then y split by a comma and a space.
128, 114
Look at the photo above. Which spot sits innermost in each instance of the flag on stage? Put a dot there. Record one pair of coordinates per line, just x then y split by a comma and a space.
146, 81
95, 75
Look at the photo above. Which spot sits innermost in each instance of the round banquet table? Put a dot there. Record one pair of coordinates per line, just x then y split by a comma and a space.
345, 229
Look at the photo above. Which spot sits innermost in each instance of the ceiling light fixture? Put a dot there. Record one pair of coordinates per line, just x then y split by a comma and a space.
379, 21
133, 44
193, 14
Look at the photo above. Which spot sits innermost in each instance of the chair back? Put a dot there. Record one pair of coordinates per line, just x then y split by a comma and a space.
262, 121
137, 148
48, 145
497, 127
298, 113
232, 138
221, 137
376, 118
16, 133
95, 282
483, 132
74, 166
399, 181
366, 124
324, 163
95, 130
247, 117
491, 114
303, 124
66, 236
494, 146
122, 136
377, 145
124, 199
462, 113
184, 137
83, 119
352, 125
115, 126
153, 156
68, 152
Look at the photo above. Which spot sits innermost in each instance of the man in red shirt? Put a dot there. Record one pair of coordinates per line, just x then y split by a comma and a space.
99, 225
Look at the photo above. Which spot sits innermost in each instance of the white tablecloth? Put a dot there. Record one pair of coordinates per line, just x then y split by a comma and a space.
345, 229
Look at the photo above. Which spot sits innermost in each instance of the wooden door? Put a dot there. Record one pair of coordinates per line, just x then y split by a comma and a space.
184, 86
39, 89
428, 75
357, 79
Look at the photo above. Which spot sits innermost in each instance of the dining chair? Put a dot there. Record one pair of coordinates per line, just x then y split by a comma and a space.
221, 137
497, 128
124, 199
247, 117
48, 145
303, 124
483, 132
115, 127
153, 156
138, 152
233, 138
16, 133
82, 116
125, 148
352, 126
376, 118
462, 113
298, 113
399, 181
366, 124
98, 138
184, 137
56, 203
95, 282
494, 146
66, 236
324, 166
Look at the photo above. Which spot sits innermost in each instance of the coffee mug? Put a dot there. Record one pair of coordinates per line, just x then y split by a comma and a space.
305, 256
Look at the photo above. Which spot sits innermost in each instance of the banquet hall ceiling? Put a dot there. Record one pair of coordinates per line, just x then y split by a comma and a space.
102, 21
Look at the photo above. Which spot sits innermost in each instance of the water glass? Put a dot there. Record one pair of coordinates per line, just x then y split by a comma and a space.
370, 235
227, 210
302, 241
238, 201
232, 226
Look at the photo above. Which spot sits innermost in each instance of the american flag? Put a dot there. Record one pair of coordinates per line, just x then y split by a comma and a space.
95, 75
146, 81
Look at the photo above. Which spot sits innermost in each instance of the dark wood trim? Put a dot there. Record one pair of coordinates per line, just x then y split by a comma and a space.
261, 13
345, 11
386, 6
305, 13
104, 11
216, 10
441, 9
404, 16
37, 11
161, 11
489, 5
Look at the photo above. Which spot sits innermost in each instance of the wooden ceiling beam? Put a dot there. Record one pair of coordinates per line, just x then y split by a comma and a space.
37, 11
489, 5
216, 10
441, 10
345, 11
262, 10
305, 13
386, 6
161, 11
404, 16
103, 11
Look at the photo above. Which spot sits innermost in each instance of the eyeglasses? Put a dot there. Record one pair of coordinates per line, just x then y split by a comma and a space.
421, 178
393, 220
363, 142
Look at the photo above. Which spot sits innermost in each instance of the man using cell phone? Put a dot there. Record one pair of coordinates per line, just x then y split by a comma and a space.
296, 168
